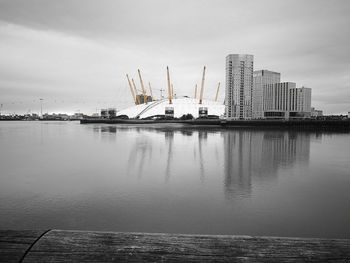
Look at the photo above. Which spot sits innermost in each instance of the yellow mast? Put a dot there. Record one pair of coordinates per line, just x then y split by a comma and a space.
131, 89
150, 90
142, 87
169, 88
195, 92
172, 91
202, 87
137, 98
217, 92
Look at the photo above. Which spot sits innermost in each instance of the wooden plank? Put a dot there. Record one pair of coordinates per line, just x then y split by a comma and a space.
76, 246
14, 243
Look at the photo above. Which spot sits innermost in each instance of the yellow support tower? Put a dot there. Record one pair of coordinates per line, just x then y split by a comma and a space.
137, 98
131, 90
202, 87
169, 87
217, 92
150, 90
143, 88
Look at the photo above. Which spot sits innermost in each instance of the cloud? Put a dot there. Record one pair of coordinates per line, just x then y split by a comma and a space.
67, 49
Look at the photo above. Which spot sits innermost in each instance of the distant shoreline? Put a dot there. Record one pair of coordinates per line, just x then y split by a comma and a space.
297, 124
279, 124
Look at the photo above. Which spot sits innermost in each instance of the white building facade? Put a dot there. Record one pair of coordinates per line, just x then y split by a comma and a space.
284, 100
276, 102
261, 78
300, 102
239, 86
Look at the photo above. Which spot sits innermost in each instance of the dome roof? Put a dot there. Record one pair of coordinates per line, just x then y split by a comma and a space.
181, 106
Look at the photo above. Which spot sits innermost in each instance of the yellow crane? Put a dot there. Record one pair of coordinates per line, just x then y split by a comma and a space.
202, 87
169, 87
143, 88
195, 92
217, 92
131, 89
172, 91
150, 90
137, 97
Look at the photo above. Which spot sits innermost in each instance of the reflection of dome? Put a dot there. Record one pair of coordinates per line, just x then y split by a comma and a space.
181, 106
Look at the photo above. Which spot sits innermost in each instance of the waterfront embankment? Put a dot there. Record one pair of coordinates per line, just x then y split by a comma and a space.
88, 246
276, 124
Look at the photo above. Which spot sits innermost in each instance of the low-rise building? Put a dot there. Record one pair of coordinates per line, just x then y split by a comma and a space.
284, 101
316, 113
300, 102
276, 103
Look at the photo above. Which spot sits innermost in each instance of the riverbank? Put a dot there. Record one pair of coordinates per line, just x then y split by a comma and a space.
277, 124
88, 246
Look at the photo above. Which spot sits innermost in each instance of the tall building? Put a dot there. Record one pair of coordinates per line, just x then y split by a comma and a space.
261, 78
239, 86
284, 100
300, 102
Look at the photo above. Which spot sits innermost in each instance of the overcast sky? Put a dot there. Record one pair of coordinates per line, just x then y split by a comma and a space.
75, 54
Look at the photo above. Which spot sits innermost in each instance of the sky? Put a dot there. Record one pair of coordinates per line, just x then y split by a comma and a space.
74, 54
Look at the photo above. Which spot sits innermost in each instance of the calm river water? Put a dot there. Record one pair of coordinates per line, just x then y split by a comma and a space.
168, 178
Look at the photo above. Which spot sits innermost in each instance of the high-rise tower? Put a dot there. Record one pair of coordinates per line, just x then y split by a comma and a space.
261, 78
239, 86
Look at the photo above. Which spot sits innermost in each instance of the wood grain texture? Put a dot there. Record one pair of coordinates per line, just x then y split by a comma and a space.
76, 246
14, 243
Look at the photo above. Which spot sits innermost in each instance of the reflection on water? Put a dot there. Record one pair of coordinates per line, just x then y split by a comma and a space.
174, 179
260, 154
141, 149
246, 154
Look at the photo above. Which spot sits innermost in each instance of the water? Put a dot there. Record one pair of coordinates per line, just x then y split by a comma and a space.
65, 175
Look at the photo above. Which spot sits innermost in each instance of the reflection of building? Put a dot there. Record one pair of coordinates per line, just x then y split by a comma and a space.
239, 86
284, 149
237, 162
261, 78
259, 155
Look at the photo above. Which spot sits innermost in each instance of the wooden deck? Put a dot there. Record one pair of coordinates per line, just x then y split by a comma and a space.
82, 246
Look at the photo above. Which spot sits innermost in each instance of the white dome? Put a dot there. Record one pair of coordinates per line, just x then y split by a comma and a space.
181, 106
